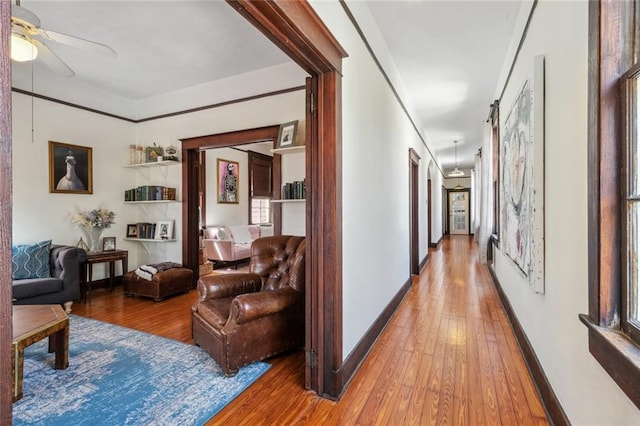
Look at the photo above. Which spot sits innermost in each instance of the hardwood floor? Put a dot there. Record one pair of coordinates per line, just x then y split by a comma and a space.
448, 356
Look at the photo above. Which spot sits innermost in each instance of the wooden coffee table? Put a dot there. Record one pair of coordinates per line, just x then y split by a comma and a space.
32, 323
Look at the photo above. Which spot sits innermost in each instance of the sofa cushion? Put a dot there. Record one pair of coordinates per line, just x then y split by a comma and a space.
30, 260
241, 234
23, 289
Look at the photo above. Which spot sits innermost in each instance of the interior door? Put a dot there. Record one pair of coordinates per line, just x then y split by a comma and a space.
459, 212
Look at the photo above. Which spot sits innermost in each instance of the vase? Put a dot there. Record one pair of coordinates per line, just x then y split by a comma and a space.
93, 238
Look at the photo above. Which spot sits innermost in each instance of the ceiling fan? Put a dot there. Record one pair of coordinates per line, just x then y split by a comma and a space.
28, 41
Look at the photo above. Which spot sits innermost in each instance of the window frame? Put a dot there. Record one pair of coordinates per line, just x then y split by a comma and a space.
613, 49
629, 82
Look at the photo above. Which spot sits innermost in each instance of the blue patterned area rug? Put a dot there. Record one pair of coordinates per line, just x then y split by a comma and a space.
120, 376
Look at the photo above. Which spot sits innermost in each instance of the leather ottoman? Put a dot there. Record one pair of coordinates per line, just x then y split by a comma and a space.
162, 284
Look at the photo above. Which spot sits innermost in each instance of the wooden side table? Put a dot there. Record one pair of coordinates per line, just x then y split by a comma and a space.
102, 257
32, 323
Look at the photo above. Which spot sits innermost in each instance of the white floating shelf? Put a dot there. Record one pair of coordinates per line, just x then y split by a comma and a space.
289, 201
152, 164
288, 150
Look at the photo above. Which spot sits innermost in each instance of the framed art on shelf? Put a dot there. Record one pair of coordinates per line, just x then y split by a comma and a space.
287, 134
108, 243
228, 181
70, 168
132, 230
164, 230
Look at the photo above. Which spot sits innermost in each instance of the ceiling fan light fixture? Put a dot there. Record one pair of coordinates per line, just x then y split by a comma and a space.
22, 50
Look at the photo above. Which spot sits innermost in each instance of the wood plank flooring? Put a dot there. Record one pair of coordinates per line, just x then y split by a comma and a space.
448, 356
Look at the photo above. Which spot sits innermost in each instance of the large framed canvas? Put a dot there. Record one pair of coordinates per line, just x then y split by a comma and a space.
228, 181
522, 179
70, 168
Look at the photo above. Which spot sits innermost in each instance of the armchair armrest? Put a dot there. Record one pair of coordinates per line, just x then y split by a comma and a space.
227, 285
251, 306
221, 250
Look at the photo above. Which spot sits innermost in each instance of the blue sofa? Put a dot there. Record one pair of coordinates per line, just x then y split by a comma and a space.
62, 287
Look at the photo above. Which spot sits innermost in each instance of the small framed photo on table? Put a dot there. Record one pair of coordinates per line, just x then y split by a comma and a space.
287, 134
108, 243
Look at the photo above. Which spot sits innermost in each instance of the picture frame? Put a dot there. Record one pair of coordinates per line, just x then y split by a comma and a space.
132, 230
287, 134
522, 179
164, 230
153, 153
109, 244
70, 168
228, 173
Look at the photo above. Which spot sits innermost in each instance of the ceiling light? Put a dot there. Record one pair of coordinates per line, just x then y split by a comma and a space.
21, 49
456, 172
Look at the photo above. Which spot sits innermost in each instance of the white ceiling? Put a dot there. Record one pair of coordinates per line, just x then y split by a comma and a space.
448, 53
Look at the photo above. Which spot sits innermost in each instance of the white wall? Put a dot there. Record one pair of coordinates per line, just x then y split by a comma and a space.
40, 215
376, 137
587, 394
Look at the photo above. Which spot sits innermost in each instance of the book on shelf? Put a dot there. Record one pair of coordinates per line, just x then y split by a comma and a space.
296, 190
150, 193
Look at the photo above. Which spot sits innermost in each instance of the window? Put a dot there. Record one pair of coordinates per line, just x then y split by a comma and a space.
614, 193
260, 211
631, 213
260, 188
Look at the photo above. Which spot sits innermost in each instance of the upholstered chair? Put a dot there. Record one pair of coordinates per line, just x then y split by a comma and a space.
241, 318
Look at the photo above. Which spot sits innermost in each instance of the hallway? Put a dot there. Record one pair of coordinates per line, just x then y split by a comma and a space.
448, 356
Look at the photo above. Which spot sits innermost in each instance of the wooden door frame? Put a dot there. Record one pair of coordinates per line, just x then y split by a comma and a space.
414, 212
429, 211
6, 206
297, 30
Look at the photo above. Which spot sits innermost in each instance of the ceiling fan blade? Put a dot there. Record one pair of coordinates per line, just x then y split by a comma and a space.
52, 60
80, 43
25, 15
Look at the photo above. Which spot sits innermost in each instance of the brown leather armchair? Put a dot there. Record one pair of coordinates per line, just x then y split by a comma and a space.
241, 318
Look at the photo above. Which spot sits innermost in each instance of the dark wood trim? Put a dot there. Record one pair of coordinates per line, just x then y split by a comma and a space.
552, 406
297, 30
6, 206
612, 51
435, 245
229, 139
222, 104
414, 212
157, 117
423, 262
617, 354
364, 346
468, 191
388, 80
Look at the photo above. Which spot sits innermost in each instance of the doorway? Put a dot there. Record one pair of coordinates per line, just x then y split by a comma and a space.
414, 218
459, 212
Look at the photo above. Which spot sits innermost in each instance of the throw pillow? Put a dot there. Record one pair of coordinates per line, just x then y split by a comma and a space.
30, 260
223, 234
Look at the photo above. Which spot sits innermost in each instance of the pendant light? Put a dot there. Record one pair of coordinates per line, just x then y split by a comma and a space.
456, 172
